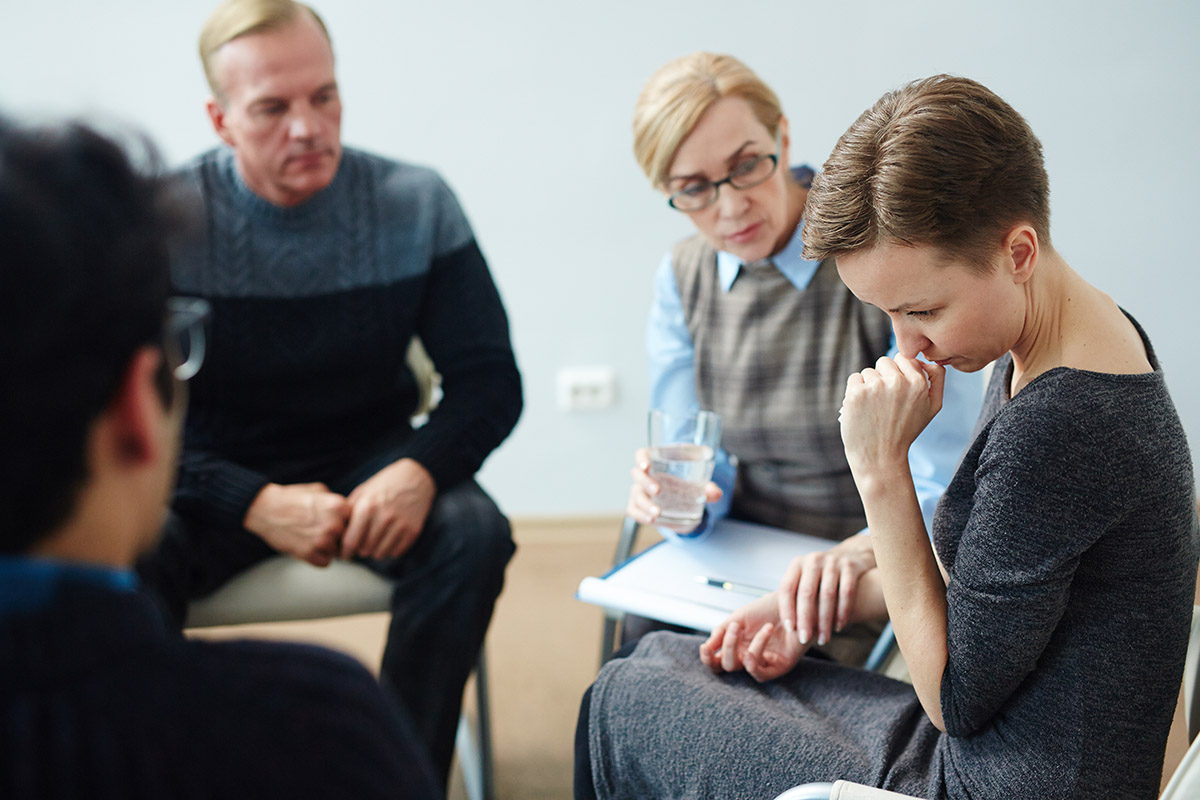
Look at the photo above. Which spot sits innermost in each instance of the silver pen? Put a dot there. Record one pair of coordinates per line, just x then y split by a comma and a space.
730, 586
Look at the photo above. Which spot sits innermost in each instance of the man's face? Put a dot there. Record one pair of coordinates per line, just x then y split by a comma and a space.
280, 110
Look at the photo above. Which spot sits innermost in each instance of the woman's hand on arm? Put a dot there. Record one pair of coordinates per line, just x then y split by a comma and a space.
818, 592
884, 410
641, 506
752, 639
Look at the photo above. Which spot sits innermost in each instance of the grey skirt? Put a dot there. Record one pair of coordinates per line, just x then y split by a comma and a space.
663, 726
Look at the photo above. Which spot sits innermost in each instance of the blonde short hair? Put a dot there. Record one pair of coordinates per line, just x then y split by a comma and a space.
679, 93
234, 18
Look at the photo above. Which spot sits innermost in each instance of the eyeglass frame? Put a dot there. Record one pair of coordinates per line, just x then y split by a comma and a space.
187, 315
716, 185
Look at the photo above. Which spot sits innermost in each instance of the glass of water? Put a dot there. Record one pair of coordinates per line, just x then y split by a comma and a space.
683, 449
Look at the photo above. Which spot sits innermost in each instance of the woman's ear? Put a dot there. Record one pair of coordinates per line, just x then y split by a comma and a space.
1020, 252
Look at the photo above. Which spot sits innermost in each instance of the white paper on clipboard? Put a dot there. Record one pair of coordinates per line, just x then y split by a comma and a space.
665, 581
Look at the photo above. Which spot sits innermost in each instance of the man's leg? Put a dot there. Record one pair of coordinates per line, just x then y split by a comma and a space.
446, 586
192, 561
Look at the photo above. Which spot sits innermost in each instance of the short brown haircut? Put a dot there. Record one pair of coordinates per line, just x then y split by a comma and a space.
234, 18
942, 161
679, 93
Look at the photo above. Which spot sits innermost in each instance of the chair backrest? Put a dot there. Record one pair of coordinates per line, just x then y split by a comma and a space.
1185, 783
1191, 678
429, 382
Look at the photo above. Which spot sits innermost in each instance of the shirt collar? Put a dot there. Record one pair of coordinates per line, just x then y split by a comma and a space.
790, 261
27, 584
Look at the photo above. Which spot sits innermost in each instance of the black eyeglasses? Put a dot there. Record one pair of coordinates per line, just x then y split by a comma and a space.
185, 334
746, 175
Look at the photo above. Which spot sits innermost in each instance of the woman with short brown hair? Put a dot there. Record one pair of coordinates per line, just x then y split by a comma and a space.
1045, 628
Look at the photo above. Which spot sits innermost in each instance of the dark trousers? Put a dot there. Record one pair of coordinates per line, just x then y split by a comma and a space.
446, 587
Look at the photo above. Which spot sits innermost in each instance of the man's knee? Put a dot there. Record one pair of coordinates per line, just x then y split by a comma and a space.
466, 540
469, 519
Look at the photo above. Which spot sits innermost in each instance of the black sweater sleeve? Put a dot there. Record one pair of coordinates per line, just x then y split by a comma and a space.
465, 331
215, 490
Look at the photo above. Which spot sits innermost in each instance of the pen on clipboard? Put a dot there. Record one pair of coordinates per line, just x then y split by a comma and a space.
730, 586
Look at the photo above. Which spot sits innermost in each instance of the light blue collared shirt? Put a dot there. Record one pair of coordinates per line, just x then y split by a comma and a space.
932, 458
28, 584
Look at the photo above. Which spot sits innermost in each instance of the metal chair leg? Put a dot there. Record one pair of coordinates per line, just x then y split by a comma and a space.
484, 721
608, 638
625, 543
883, 648
629, 532
475, 747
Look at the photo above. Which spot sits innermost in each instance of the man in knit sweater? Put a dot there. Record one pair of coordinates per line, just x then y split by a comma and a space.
321, 263
99, 696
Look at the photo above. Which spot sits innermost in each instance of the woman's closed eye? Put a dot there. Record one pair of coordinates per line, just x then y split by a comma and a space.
746, 167
697, 189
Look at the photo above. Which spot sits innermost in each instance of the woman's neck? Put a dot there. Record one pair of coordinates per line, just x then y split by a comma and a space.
1047, 298
797, 196
1070, 323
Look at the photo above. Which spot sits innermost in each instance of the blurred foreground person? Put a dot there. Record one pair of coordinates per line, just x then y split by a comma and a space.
99, 696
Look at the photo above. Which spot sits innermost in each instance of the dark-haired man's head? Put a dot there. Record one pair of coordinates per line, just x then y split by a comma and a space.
88, 428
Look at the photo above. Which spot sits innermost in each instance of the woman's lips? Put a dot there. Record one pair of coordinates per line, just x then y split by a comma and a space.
745, 234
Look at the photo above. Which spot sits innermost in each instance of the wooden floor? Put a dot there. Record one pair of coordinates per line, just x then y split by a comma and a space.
543, 650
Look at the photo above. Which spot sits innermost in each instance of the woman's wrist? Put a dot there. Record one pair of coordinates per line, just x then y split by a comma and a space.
882, 480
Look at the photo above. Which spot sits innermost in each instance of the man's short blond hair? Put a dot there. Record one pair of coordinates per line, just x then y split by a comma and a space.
234, 18
679, 93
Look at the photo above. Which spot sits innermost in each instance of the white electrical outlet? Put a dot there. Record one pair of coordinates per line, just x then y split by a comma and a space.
587, 388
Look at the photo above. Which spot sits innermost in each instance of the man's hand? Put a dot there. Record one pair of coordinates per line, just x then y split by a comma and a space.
304, 520
389, 511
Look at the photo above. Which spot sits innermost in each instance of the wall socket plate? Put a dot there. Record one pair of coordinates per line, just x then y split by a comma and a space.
586, 388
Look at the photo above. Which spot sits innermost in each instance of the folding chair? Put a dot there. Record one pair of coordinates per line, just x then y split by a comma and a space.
284, 588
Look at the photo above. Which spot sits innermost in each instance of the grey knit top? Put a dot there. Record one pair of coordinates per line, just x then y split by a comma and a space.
1070, 537
1069, 532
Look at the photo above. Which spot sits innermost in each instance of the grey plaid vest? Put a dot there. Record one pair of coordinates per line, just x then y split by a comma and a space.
773, 361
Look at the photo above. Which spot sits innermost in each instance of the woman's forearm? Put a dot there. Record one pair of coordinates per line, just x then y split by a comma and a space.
910, 579
868, 599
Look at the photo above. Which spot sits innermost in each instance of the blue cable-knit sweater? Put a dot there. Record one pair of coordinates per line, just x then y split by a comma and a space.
313, 309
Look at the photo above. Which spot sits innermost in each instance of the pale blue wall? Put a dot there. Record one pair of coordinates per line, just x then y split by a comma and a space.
524, 106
